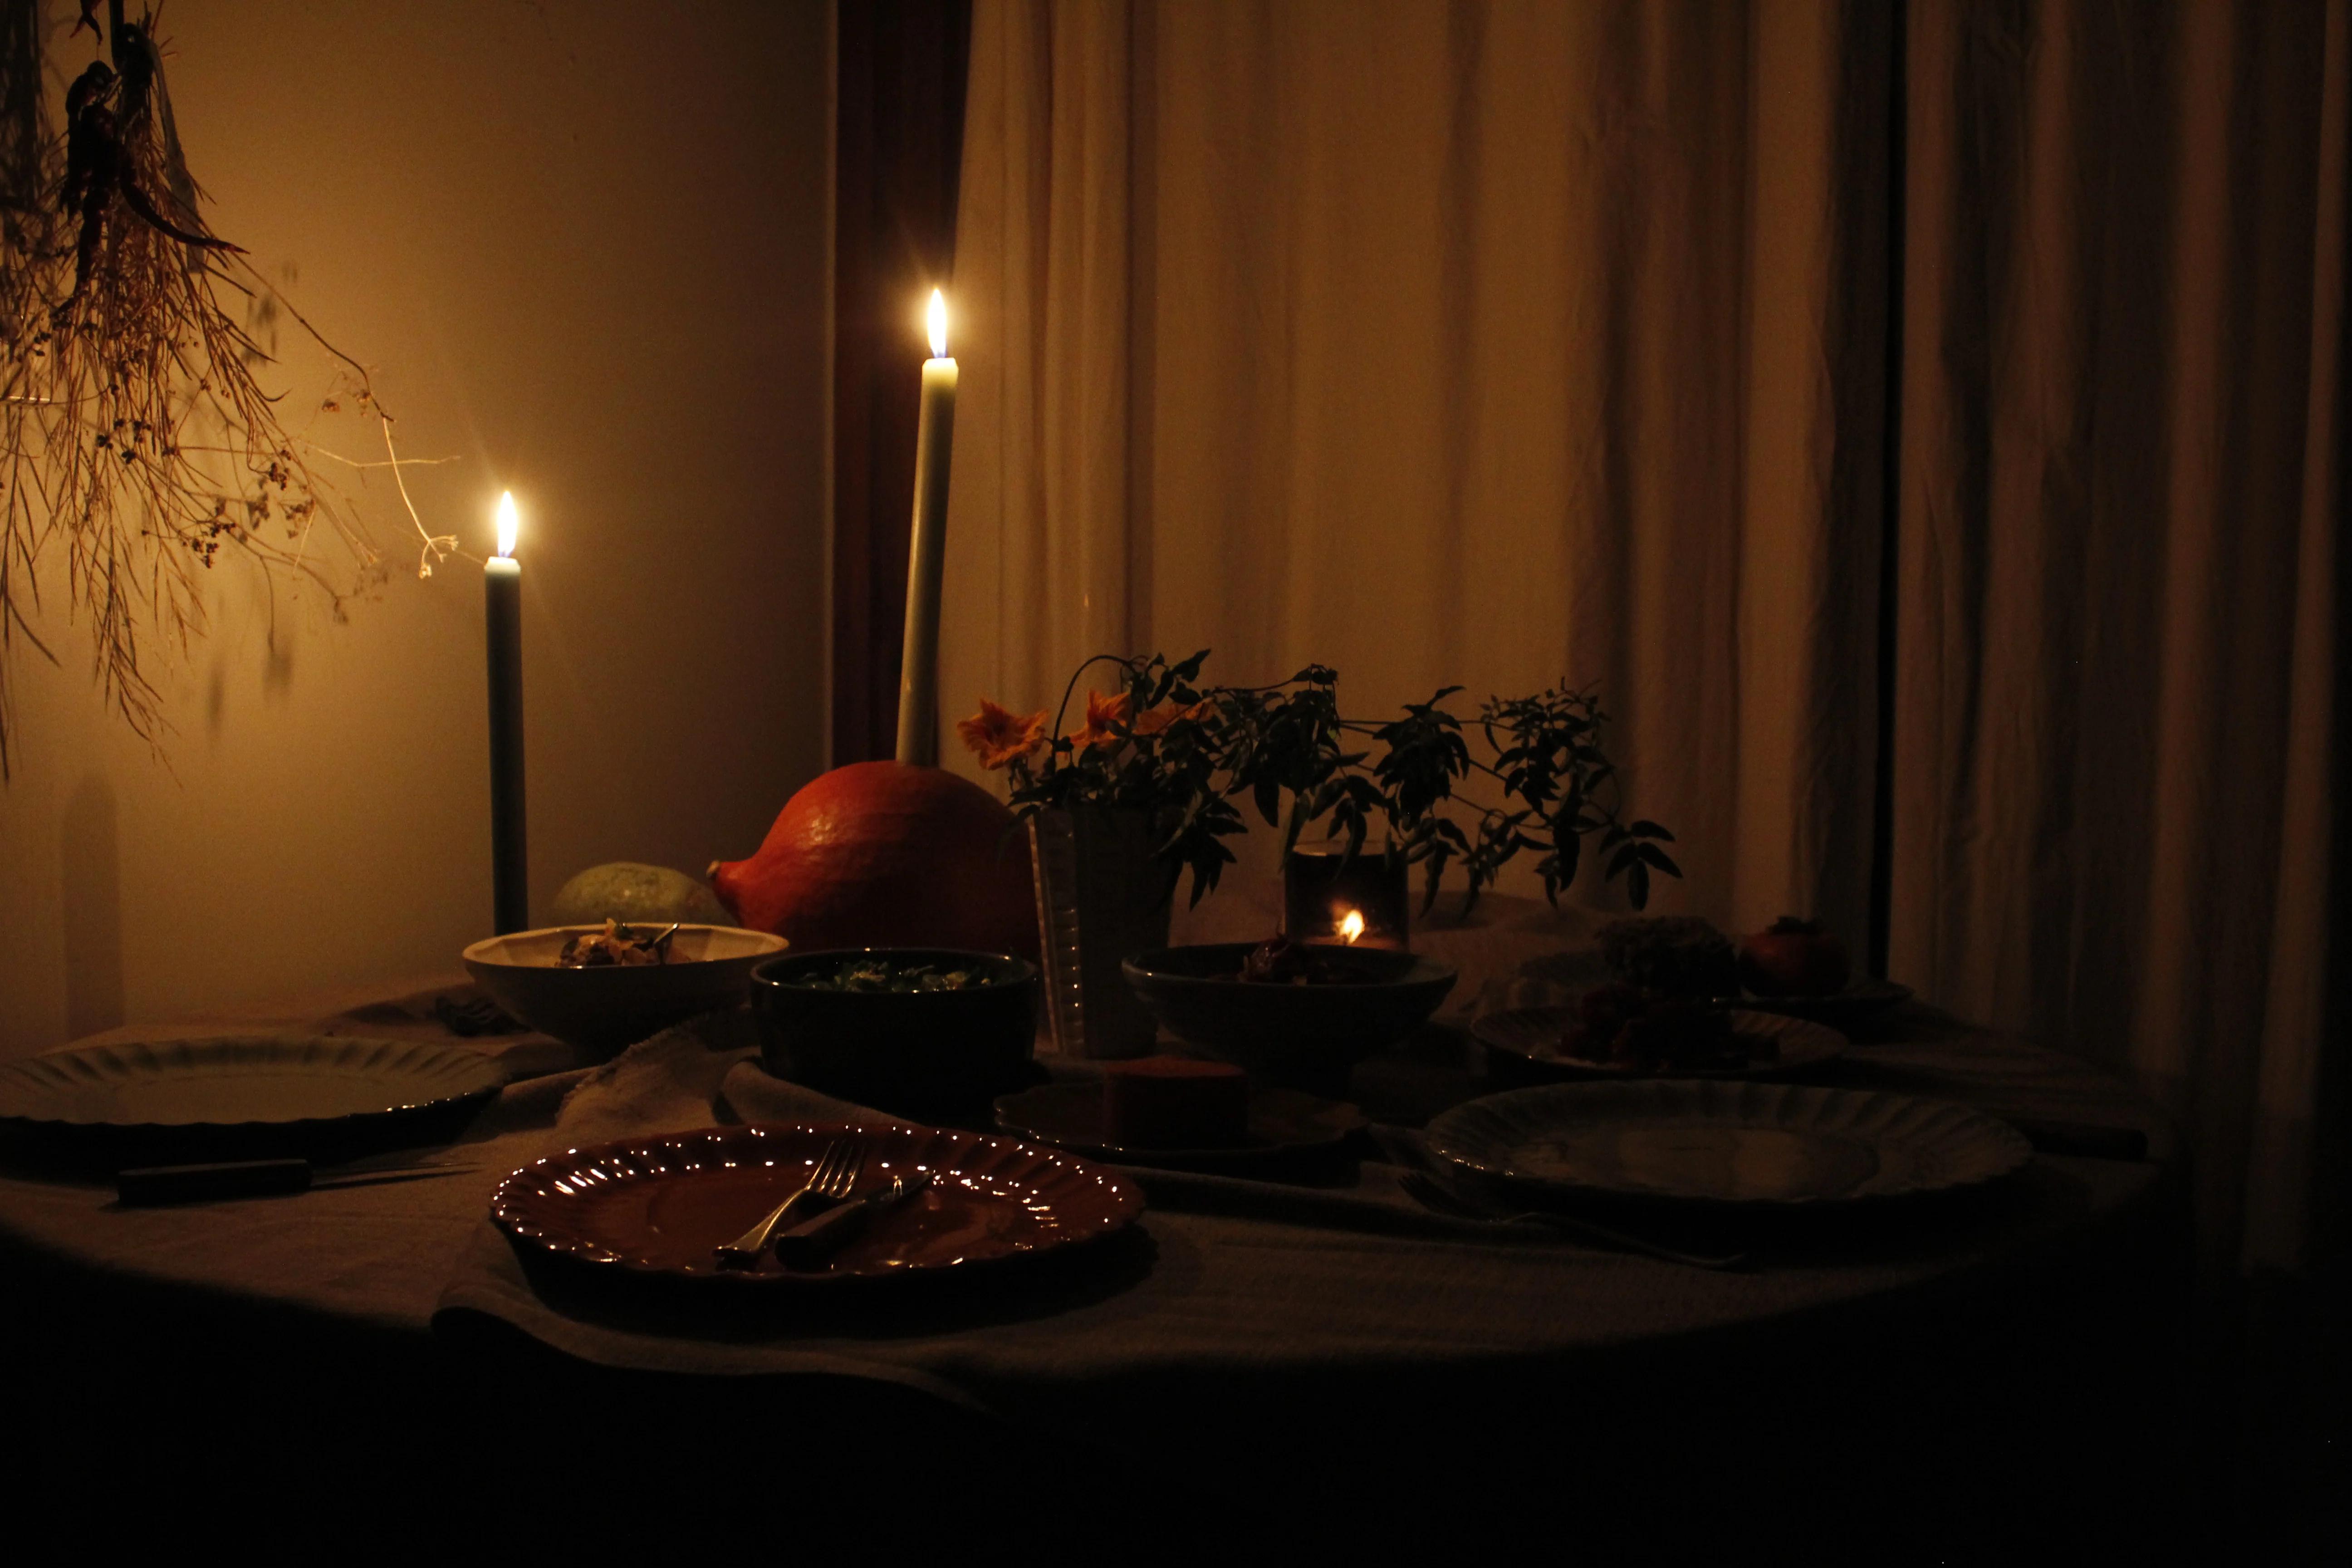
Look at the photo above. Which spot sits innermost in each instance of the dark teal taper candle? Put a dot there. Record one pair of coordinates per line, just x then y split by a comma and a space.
510, 857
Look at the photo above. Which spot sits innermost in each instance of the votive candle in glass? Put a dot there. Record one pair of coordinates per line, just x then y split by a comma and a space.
1367, 904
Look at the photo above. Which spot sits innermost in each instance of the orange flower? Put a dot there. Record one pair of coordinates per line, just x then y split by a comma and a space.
1158, 718
1102, 713
998, 736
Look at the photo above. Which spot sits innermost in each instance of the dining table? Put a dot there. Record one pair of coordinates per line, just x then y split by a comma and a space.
1324, 1357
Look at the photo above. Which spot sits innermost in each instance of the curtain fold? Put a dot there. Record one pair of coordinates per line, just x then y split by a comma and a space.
1495, 344
2120, 496
1488, 345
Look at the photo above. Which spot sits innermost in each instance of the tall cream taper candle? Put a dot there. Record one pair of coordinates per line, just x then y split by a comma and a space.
919, 682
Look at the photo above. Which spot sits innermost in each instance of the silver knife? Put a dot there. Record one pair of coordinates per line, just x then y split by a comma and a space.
811, 1242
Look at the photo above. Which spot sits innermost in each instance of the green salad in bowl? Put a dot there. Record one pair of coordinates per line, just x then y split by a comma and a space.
879, 972
920, 1032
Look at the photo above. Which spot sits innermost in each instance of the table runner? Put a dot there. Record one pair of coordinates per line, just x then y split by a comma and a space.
383, 1254
1229, 1275
1267, 1281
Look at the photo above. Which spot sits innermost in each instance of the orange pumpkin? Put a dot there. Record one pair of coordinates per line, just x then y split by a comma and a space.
888, 855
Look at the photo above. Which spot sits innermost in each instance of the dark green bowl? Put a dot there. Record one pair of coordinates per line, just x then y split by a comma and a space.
926, 1054
1298, 1036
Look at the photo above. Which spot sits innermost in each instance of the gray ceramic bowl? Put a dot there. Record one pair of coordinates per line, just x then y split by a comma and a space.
605, 1009
926, 1054
1298, 1036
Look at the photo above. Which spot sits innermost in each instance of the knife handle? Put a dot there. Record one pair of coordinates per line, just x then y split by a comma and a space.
810, 1243
149, 1185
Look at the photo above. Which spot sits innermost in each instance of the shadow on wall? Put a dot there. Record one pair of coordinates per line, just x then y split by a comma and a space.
90, 860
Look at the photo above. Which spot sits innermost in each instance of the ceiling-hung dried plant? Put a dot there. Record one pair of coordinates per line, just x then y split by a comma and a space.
135, 435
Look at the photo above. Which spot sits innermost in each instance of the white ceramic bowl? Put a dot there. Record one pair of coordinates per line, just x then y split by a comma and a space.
613, 1006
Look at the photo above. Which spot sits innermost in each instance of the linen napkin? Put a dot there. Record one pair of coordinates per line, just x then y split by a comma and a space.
707, 1070
666, 1083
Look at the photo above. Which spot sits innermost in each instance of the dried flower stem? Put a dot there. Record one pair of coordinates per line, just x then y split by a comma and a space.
134, 434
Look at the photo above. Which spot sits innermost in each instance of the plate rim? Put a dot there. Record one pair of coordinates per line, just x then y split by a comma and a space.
2016, 1151
494, 1078
517, 1231
1425, 969
1593, 1073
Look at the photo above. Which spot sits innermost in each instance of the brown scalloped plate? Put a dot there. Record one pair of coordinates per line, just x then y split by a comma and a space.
663, 1204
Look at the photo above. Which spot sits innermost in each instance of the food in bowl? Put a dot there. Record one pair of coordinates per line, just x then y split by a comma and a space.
1624, 1027
1174, 1103
875, 973
1672, 955
889, 1041
600, 1008
617, 943
1278, 961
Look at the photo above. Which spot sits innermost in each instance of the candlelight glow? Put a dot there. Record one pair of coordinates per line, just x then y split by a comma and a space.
936, 319
1351, 926
507, 523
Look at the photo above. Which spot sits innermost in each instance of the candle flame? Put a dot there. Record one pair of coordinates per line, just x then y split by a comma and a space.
936, 318
1351, 926
507, 523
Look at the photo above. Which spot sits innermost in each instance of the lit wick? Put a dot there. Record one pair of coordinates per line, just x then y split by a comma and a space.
1351, 926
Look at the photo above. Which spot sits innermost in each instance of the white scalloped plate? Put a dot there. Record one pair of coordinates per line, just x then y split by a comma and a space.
239, 1081
1726, 1141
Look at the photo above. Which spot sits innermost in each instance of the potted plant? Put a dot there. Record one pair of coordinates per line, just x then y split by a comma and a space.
1152, 784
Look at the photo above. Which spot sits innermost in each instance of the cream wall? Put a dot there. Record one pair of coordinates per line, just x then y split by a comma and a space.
583, 247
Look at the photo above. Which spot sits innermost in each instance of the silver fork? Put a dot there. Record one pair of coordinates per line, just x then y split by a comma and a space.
1424, 1176
836, 1172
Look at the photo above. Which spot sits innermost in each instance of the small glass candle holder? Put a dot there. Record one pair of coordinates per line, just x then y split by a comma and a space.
1368, 904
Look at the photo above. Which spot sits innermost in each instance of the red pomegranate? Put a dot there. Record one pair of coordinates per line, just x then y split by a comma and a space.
888, 855
1793, 958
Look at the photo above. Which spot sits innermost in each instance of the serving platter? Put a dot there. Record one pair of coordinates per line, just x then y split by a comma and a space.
662, 1205
1283, 1124
1726, 1143
257, 1092
1863, 1001
1777, 1046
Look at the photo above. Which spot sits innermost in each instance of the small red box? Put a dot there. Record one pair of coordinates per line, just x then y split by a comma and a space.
1174, 1103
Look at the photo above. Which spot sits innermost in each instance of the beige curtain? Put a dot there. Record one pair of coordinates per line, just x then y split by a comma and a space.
1484, 345
1494, 344
2122, 496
